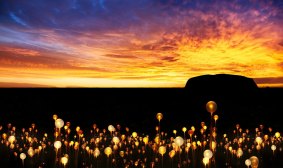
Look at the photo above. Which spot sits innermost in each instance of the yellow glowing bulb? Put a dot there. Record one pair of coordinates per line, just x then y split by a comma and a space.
157, 139
77, 129
211, 107
137, 143
4, 135
175, 132
31, 152
184, 129
145, 140
254, 161
172, 153
179, 141
162, 150
207, 154
108, 151
215, 117
96, 152
116, 140
273, 148
64, 160
193, 128
123, 137
239, 152
198, 143
134, 134
205, 127
277, 134
122, 153
23, 156
87, 148
258, 140
111, 128
12, 139
205, 161
159, 116
55, 117
59, 123
57, 144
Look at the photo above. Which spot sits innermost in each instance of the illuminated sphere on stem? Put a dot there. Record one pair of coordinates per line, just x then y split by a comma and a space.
258, 140
59, 123
211, 107
122, 153
215, 117
207, 154
134, 134
55, 117
162, 150
179, 141
111, 128
64, 160
145, 140
23, 156
248, 162
172, 153
175, 132
184, 129
254, 161
12, 139
273, 147
159, 116
239, 152
30, 152
57, 144
116, 140
96, 152
205, 161
108, 151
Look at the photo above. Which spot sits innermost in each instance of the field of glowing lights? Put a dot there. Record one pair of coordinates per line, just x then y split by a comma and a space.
116, 146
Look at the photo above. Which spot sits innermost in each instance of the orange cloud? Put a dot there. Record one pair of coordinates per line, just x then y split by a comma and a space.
164, 49
20, 51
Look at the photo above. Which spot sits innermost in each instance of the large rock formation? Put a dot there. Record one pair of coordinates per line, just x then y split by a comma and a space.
236, 97
221, 85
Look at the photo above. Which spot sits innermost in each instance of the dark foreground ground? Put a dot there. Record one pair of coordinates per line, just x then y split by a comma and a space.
136, 108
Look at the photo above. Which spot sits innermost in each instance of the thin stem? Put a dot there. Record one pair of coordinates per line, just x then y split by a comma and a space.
210, 139
159, 129
180, 159
162, 161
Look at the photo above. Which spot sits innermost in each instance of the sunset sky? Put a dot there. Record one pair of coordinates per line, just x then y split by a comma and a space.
138, 43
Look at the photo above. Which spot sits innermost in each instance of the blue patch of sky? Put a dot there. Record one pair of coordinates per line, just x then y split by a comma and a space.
17, 19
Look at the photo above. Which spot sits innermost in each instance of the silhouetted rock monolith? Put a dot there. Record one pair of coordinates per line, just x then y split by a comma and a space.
236, 97
221, 85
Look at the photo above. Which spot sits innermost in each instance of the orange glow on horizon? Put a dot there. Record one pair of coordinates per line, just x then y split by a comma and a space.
161, 52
